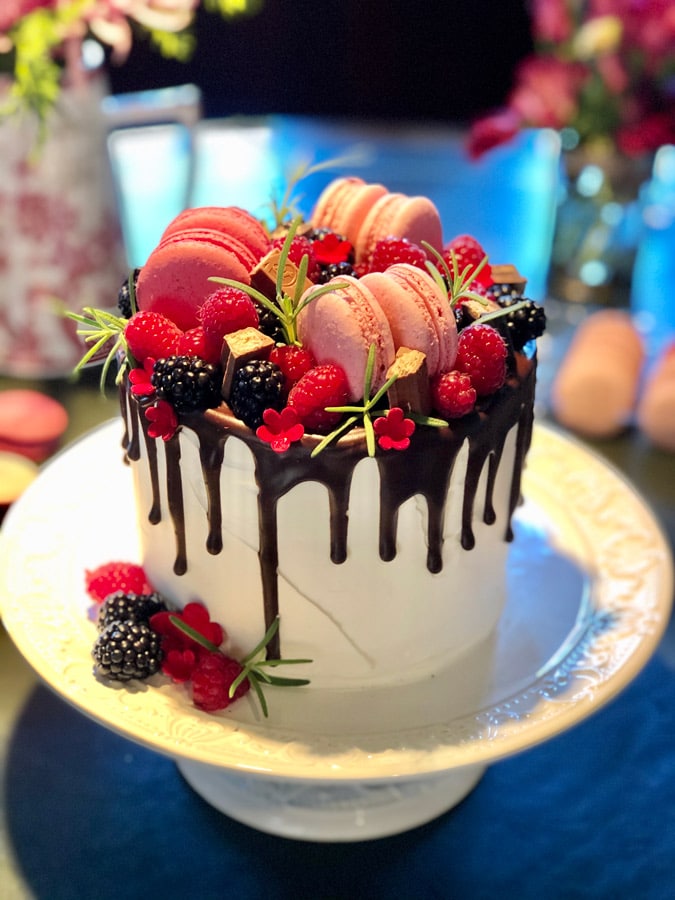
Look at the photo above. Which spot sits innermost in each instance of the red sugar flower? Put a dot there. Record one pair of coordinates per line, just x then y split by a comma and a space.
393, 430
331, 249
179, 663
281, 429
141, 386
163, 419
195, 616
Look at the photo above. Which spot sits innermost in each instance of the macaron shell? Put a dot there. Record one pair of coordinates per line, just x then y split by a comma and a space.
344, 205
595, 389
409, 318
656, 410
396, 215
175, 279
421, 283
31, 423
340, 326
227, 220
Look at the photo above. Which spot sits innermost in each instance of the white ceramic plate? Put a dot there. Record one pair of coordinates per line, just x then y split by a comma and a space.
590, 587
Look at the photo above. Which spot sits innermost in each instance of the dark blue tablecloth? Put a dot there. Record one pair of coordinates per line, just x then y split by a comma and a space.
589, 814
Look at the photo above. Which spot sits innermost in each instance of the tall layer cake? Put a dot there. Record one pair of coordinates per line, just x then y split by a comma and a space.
327, 425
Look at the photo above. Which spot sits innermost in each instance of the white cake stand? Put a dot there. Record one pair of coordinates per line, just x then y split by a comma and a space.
590, 588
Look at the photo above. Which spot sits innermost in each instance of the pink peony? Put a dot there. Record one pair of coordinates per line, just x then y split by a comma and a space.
12, 11
546, 91
551, 21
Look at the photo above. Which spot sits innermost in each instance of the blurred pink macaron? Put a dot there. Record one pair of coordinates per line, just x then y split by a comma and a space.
175, 280
228, 220
656, 408
340, 327
31, 423
419, 314
344, 204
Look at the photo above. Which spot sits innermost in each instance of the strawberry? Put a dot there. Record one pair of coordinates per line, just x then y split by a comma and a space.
150, 333
481, 354
322, 386
116, 576
226, 310
468, 252
390, 251
293, 362
452, 394
196, 342
211, 681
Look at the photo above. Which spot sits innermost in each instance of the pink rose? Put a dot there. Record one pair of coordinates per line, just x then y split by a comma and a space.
13, 11
551, 21
493, 130
546, 91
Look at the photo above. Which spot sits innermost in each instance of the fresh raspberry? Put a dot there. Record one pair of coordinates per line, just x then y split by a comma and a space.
322, 386
452, 394
116, 576
390, 251
468, 252
196, 342
150, 333
211, 680
226, 310
301, 246
293, 362
481, 354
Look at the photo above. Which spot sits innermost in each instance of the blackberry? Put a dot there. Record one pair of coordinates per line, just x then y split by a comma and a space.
126, 650
270, 324
256, 386
124, 297
187, 382
463, 317
121, 607
504, 291
334, 270
521, 325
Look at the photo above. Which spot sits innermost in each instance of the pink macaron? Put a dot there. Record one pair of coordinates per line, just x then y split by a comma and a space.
344, 204
419, 314
228, 220
396, 215
175, 280
31, 423
340, 327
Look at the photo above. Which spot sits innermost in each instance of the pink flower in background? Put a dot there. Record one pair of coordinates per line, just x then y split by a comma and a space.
12, 11
604, 69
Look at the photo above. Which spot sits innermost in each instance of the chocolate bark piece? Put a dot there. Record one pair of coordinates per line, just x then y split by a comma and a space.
410, 391
241, 347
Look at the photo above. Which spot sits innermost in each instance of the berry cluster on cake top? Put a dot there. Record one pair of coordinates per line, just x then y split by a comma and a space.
307, 329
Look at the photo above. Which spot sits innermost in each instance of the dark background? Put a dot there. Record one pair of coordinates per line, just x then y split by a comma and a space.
403, 59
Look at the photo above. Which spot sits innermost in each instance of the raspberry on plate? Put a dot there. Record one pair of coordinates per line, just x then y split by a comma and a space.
481, 354
322, 386
452, 394
212, 679
150, 333
226, 310
116, 576
390, 251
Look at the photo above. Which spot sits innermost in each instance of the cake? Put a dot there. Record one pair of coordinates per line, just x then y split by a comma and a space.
347, 467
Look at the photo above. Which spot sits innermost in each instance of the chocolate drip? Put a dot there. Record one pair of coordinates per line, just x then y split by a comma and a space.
424, 469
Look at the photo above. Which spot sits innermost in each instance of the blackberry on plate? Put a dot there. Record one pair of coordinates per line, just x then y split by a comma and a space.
128, 607
126, 650
124, 297
256, 386
187, 382
521, 325
334, 270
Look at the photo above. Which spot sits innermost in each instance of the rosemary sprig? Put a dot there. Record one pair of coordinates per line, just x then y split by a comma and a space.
253, 668
287, 207
285, 307
456, 283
